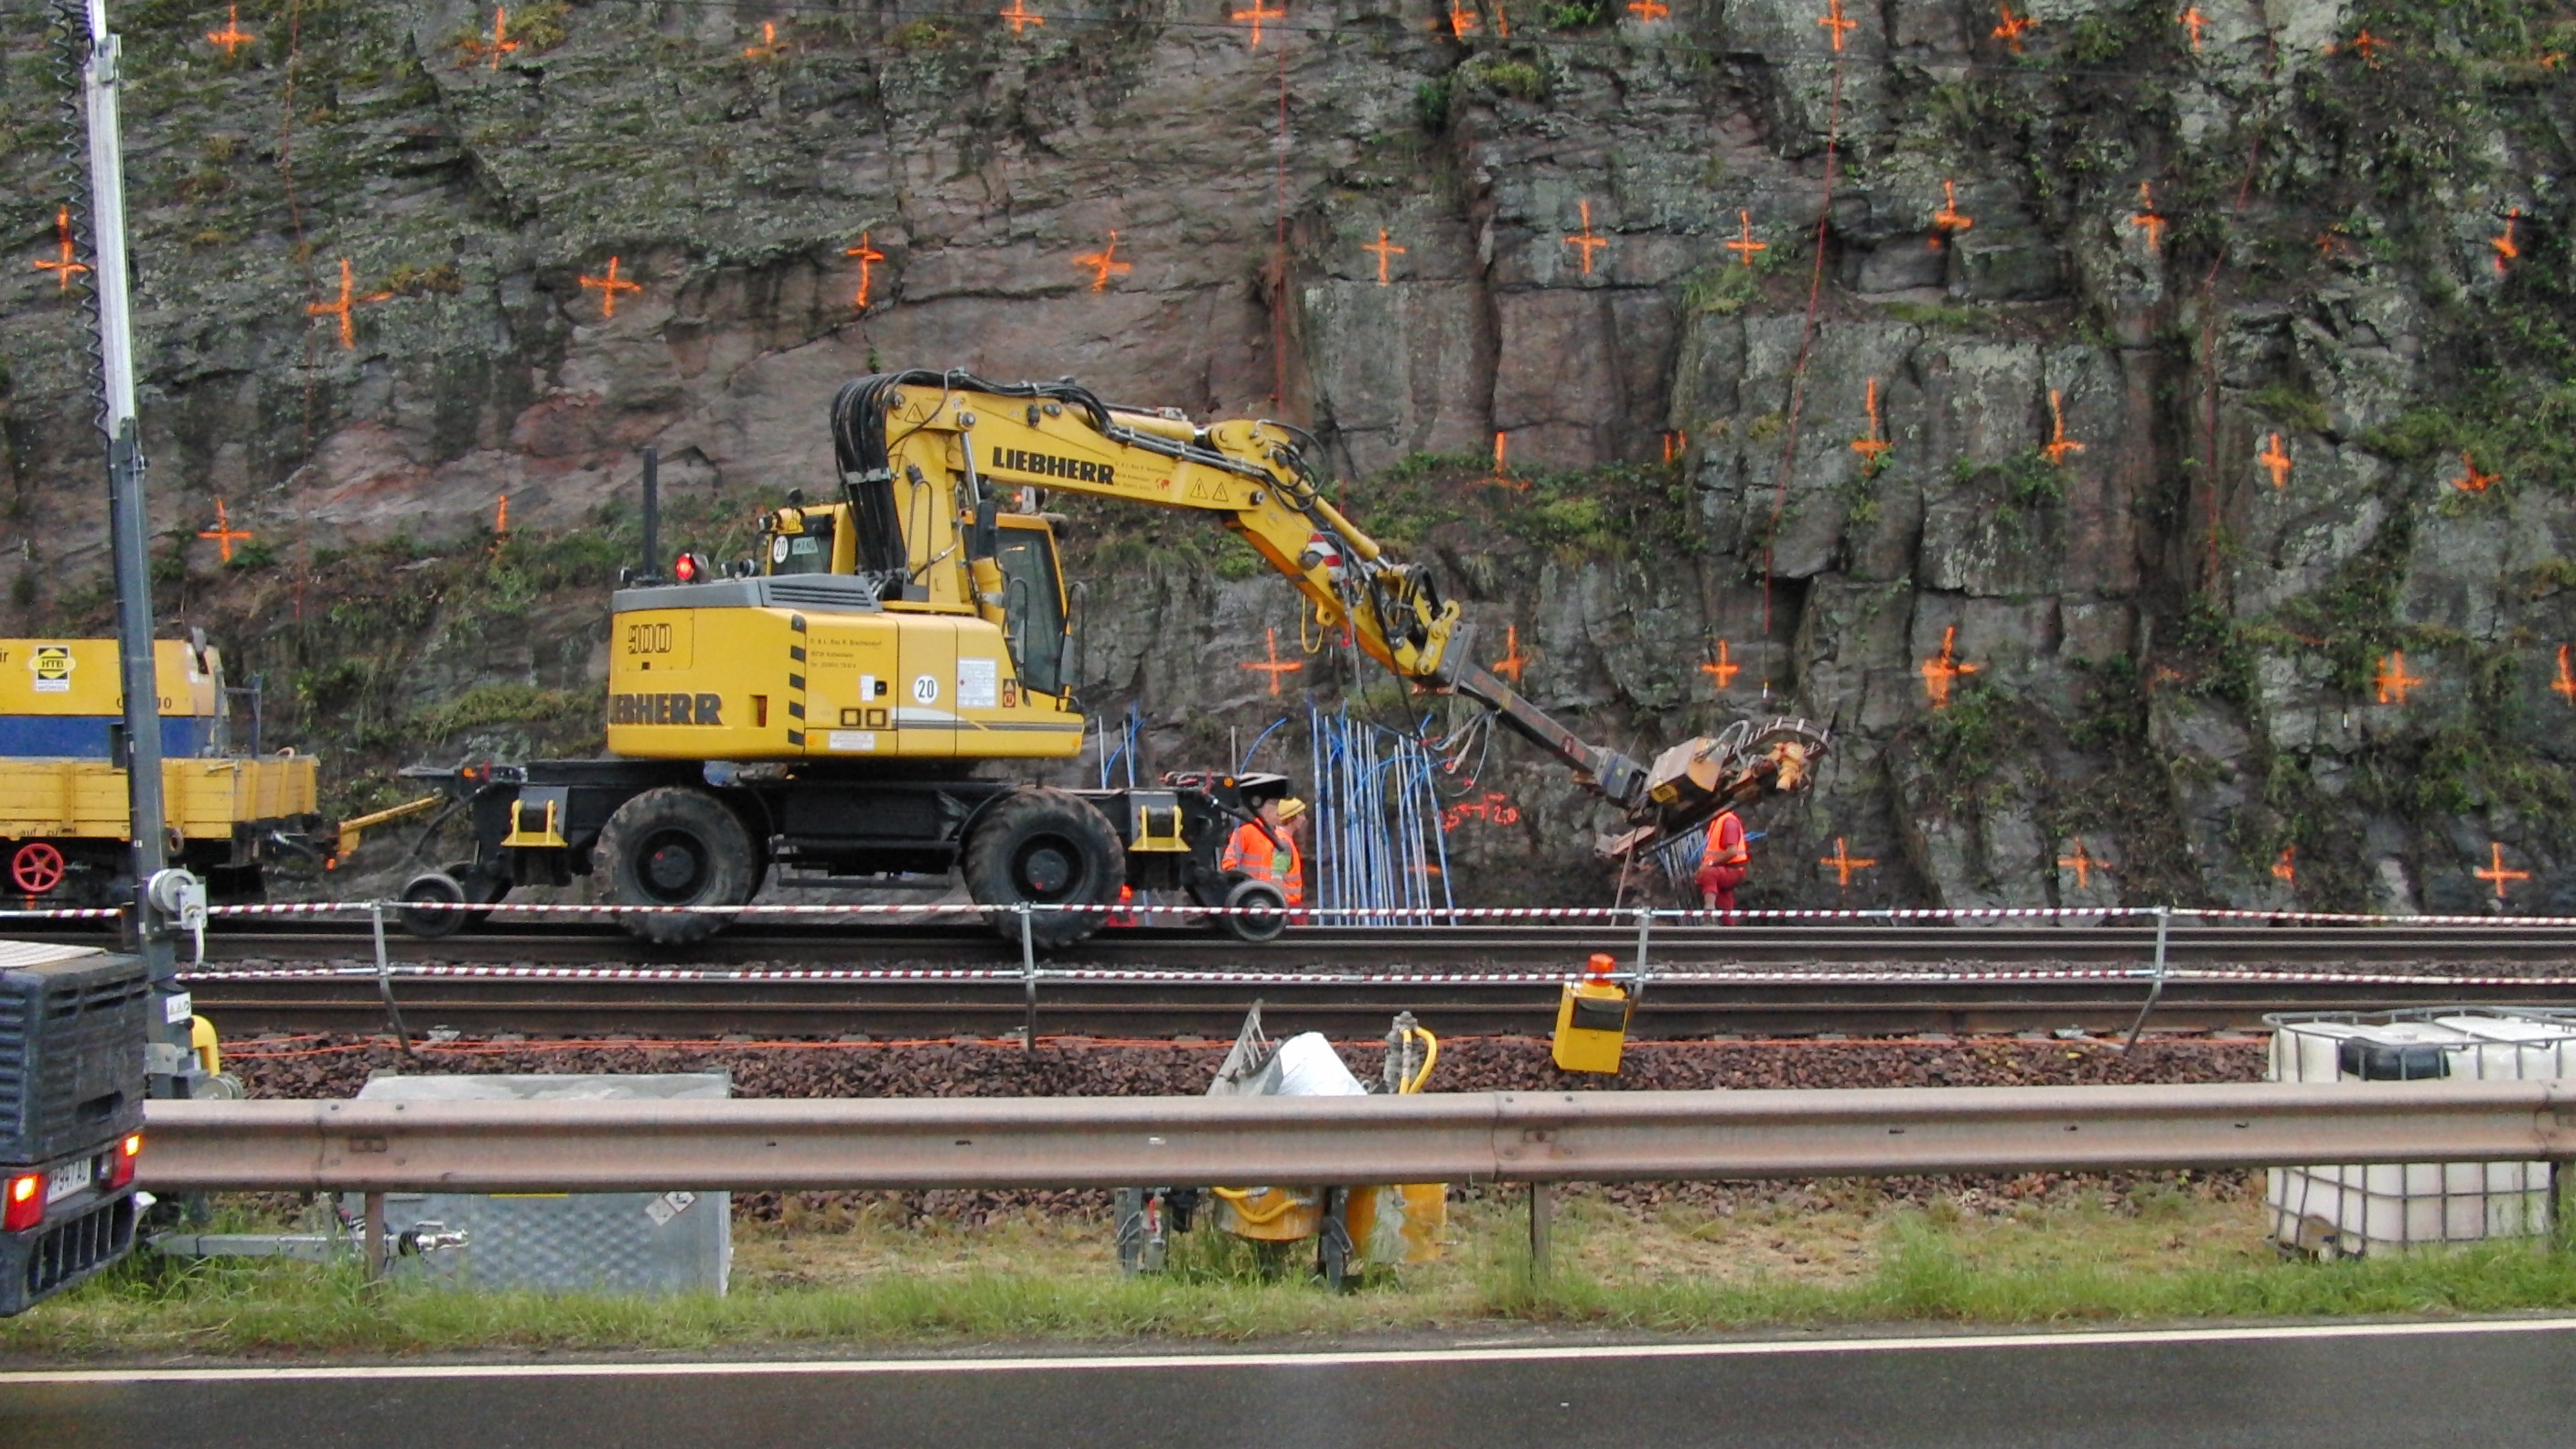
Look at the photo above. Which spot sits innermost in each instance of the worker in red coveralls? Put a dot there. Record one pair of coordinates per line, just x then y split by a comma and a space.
1722, 864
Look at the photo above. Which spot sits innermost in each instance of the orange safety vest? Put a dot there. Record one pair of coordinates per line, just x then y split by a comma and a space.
1725, 842
1257, 856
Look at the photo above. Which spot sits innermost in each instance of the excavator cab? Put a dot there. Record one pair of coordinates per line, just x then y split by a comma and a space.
1033, 602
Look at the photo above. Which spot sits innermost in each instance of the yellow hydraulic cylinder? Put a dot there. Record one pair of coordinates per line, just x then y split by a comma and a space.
1592, 1021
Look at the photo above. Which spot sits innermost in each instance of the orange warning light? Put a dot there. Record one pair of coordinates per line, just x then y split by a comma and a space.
2192, 20
2495, 873
1259, 12
1873, 449
868, 258
2471, 480
223, 533
1021, 16
62, 266
1723, 668
2058, 444
1277, 666
1744, 246
1513, 660
2276, 461
2391, 681
1837, 23
1949, 221
340, 308
1384, 250
1586, 240
1844, 862
1104, 264
232, 37
2505, 250
2147, 218
2013, 28
1944, 669
608, 287
499, 45
2285, 869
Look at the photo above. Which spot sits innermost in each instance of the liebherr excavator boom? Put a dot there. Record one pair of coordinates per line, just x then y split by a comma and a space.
823, 707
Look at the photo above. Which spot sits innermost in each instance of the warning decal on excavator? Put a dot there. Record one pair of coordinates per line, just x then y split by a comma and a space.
52, 666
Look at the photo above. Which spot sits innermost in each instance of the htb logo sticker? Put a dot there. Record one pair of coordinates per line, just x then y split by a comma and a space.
52, 666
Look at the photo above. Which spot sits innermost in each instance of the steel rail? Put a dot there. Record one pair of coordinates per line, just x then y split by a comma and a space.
778, 1144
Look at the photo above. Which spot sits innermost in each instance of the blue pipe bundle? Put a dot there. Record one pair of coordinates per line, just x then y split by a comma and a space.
1380, 855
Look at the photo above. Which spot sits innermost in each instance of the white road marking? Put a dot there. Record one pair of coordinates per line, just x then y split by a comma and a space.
1354, 1358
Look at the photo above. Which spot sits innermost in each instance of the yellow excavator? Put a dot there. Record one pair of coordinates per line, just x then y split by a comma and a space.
824, 706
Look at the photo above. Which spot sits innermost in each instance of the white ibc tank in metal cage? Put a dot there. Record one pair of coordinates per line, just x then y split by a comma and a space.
2358, 1209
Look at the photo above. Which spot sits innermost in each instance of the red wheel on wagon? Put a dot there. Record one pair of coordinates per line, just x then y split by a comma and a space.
37, 867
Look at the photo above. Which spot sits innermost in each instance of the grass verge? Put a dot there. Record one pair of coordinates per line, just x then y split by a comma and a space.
1687, 1269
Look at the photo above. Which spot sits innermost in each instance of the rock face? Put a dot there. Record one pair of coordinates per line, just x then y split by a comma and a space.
2145, 441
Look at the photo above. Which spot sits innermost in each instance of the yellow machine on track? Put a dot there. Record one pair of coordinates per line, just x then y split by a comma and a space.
824, 707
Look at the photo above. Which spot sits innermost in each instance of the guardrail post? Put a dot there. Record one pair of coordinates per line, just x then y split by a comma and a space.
385, 978
1028, 979
1645, 928
2562, 1203
374, 1208
1542, 1216
2164, 924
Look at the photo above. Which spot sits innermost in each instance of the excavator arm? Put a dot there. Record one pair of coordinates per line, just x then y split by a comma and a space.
926, 460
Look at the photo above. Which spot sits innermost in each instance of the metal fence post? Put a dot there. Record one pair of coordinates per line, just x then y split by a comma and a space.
1028, 979
2164, 922
385, 978
1645, 928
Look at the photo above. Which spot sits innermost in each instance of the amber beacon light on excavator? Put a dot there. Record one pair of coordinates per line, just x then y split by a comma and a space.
830, 706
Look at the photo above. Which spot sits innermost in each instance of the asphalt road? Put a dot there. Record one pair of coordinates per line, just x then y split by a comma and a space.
2348, 1387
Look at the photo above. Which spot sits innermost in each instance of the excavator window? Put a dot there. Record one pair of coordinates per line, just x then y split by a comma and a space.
1033, 606
809, 552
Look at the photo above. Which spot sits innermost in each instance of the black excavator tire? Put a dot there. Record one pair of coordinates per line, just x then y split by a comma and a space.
1044, 848
675, 846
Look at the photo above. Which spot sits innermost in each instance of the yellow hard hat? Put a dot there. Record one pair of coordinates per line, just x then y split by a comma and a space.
1290, 808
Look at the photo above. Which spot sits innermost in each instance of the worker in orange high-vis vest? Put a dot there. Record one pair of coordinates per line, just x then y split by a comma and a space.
1291, 859
1267, 851
1723, 863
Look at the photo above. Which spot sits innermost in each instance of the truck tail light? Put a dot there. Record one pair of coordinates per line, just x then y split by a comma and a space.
24, 1206
129, 1152
687, 568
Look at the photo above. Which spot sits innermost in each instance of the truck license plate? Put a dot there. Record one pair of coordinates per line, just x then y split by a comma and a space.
66, 1180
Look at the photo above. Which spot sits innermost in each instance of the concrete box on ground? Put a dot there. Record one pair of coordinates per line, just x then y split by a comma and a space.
2357, 1209
618, 1242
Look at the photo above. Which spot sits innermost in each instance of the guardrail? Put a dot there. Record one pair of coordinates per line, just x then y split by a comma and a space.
1537, 1138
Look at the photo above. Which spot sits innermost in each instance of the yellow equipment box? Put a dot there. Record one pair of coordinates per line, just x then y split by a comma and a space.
1592, 1022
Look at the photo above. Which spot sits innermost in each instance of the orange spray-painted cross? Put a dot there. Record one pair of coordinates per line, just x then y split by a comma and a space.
609, 286
2058, 444
2286, 868
1513, 660
2147, 218
1649, 11
62, 266
2495, 873
2369, 45
223, 533
2192, 20
1586, 240
1873, 448
1723, 668
1384, 250
232, 37
1461, 20
499, 45
1259, 12
340, 308
1949, 221
868, 258
1104, 264
2276, 461
1744, 246
2564, 686
2391, 681
1277, 666
2082, 864
2471, 480
1021, 16
2013, 28
2505, 249
1837, 23
1945, 669
769, 48
1844, 862
1675, 444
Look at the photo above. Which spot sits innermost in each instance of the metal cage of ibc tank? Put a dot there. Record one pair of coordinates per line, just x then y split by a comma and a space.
2352, 1210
